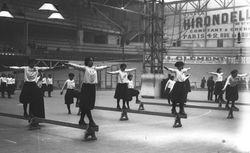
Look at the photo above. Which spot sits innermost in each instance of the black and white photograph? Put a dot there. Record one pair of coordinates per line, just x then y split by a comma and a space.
124, 76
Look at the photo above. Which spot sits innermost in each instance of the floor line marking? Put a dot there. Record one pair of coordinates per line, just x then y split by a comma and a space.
10, 141
209, 111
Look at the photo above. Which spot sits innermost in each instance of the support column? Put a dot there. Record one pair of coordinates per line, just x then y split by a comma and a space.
153, 49
80, 37
26, 33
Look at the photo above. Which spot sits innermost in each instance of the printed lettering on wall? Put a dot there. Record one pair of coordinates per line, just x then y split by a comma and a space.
219, 24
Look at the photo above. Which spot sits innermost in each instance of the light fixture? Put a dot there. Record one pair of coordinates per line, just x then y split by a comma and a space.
48, 7
56, 15
122, 5
5, 12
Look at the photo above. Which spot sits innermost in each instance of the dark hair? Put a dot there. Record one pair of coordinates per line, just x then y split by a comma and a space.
87, 59
234, 71
71, 75
218, 70
171, 77
179, 64
123, 65
130, 75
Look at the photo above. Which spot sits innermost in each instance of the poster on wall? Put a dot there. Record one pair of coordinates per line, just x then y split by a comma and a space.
219, 24
207, 60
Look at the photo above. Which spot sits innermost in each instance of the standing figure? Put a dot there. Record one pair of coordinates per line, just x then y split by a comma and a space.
169, 87
218, 86
13, 84
88, 90
203, 82
178, 93
187, 87
121, 91
210, 88
247, 81
132, 92
9, 85
232, 88
71, 93
44, 84
31, 93
50, 85
3, 81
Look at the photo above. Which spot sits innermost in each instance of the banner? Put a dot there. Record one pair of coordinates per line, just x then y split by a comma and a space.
219, 24
207, 60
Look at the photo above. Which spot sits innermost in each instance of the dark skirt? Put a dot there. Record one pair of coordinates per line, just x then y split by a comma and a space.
31, 94
13, 87
167, 93
178, 93
3, 87
121, 91
232, 93
9, 88
218, 88
50, 87
87, 96
44, 87
70, 95
131, 93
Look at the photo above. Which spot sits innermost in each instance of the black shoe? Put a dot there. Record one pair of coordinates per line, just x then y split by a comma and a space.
182, 113
124, 107
82, 124
92, 124
227, 107
138, 101
173, 111
118, 107
25, 115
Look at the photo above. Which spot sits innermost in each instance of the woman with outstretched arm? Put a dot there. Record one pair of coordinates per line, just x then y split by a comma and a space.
178, 93
121, 91
88, 90
231, 88
218, 85
30, 93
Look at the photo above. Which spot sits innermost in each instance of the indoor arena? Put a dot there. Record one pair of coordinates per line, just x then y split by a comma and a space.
124, 76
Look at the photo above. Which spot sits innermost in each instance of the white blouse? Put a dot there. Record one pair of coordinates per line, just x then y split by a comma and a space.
3, 79
70, 84
90, 73
122, 76
30, 74
233, 81
219, 76
49, 81
44, 81
12, 81
9, 80
170, 84
180, 74
130, 84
